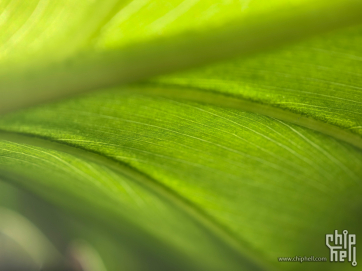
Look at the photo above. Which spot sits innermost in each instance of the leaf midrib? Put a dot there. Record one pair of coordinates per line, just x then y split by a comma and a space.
230, 101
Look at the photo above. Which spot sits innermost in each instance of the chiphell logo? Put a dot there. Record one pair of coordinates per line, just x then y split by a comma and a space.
342, 246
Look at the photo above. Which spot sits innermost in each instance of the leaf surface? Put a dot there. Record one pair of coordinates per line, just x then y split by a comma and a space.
225, 167
320, 79
51, 50
256, 183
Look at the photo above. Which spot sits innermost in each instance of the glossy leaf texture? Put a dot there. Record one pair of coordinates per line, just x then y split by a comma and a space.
225, 167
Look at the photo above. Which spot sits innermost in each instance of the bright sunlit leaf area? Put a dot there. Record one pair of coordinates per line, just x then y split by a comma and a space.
180, 135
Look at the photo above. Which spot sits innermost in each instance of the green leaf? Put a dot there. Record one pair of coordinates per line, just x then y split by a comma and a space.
53, 49
225, 167
315, 80
215, 177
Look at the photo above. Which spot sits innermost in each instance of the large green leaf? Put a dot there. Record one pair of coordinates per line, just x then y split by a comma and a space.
226, 167
51, 49
246, 178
